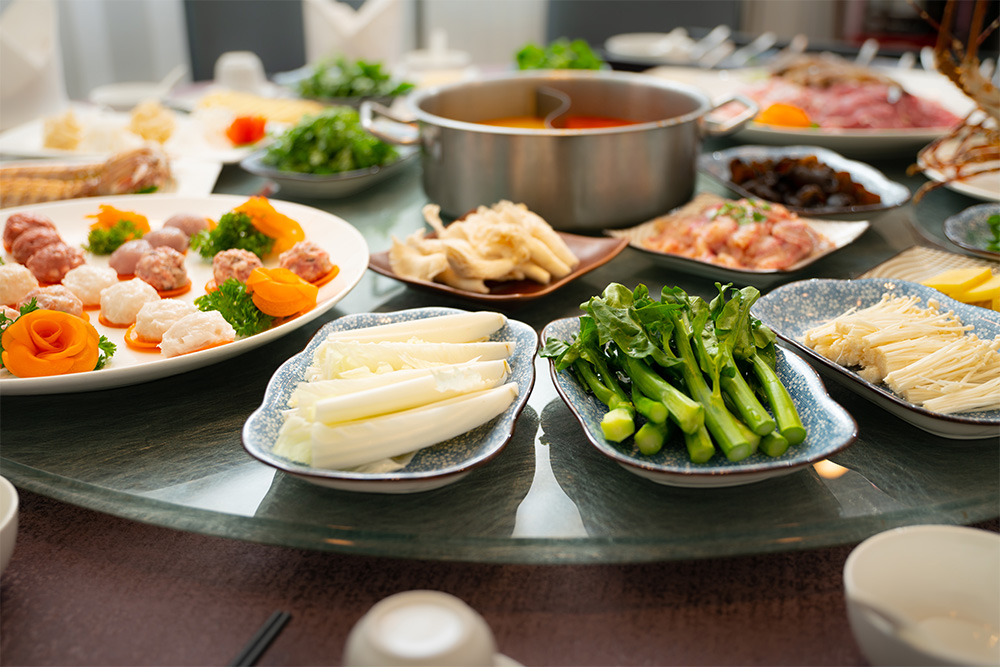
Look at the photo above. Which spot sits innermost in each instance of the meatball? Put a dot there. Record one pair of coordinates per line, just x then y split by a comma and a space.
121, 302
163, 268
168, 236
307, 260
53, 261
19, 223
31, 241
189, 223
87, 281
234, 263
124, 259
54, 297
156, 317
15, 281
196, 332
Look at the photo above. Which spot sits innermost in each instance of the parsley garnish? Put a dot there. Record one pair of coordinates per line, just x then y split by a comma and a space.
236, 305
235, 230
102, 241
107, 349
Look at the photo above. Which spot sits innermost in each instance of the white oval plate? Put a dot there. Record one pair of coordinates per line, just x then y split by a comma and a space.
346, 245
792, 309
431, 467
850, 142
830, 429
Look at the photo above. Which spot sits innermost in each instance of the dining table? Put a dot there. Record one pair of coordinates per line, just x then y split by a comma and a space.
149, 536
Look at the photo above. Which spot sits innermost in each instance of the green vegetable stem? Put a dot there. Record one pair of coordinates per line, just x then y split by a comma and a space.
686, 362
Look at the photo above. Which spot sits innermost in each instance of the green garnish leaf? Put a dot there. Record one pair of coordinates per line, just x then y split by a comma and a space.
330, 142
560, 54
345, 78
235, 230
236, 305
102, 241
107, 349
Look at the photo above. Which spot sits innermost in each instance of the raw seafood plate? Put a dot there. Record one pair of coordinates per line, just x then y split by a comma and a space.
793, 309
346, 246
431, 467
830, 429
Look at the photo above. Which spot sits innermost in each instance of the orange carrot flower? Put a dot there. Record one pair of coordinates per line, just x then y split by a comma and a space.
50, 342
111, 216
785, 115
285, 231
280, 292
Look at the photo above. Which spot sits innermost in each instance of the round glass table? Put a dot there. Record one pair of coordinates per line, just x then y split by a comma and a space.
168, 452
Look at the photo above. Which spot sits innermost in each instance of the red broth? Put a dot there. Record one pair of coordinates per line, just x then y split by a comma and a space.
571, 122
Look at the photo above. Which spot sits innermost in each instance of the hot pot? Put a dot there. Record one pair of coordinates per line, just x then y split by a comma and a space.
582, 179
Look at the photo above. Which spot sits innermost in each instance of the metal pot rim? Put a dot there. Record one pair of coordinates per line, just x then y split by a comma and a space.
417, 113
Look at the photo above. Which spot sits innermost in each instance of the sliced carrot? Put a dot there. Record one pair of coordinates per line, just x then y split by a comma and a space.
177, 291
110, 216
108, 323
280, 292
210, 286
786, 115
139, 344
285, 231
327, 277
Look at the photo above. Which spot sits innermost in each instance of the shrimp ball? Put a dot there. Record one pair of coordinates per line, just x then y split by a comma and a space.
16, 280
19, 223
9, 313
163, 268
196, 332
54, 297
155, 317
121, 302
189, 223
234, 263
307, 260
168, 236
124, 259
86, 282
31, 241
54, 261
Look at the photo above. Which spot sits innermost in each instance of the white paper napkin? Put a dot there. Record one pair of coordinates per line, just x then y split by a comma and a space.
375, 32
31, 74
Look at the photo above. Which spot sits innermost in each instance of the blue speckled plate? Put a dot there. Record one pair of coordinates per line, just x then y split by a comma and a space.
792, 309
893, 194
830, 429
430, 468
971, 231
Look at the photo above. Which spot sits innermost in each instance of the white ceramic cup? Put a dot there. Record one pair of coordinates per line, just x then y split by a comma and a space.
926, 595
8, 521
420, 628
241, 71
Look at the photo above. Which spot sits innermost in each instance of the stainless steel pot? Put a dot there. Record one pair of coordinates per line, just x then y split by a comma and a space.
576, 179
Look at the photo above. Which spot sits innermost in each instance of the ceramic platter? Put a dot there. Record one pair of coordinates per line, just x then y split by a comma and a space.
430, 468
830, 429
792, 309
347, 248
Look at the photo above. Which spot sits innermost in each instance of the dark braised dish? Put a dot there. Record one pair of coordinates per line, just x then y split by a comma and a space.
802, 182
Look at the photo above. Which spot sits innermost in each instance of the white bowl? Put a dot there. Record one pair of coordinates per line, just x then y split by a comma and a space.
422, 628
8, 521
926, 595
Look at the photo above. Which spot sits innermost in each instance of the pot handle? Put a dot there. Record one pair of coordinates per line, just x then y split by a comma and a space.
392, 129
714, 128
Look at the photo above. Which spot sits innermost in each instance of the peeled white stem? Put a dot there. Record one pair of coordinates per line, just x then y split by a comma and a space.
457, 328
439, 385
356, 443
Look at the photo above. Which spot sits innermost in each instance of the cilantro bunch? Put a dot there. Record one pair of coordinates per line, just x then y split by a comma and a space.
346, 78
235, 230
560, 54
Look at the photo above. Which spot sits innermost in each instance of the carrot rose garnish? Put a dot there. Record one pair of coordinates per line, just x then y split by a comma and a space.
280, 293
51, 342
111, 216
285, 231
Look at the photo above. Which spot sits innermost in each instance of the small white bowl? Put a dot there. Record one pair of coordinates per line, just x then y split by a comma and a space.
241, 71
8, 521
422, 628
926, 595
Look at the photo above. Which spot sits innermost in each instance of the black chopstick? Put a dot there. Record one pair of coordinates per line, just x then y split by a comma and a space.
261, 640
